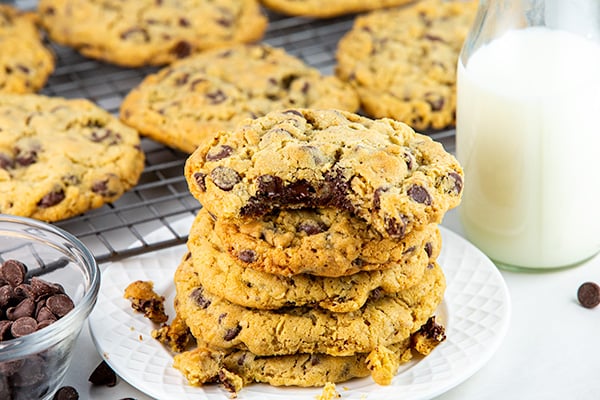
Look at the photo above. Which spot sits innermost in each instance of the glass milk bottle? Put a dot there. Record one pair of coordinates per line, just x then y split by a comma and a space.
528, 132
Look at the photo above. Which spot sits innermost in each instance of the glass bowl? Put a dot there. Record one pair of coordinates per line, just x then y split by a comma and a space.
33, 366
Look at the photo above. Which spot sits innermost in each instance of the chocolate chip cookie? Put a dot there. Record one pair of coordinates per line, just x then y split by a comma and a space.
25, 62
148, 32
329, 8
323, 242
381, 321
402, 61
237, 368
231, 279
60, 157
186, 104
378, 170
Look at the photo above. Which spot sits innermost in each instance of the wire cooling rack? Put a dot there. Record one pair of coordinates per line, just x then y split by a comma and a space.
161, 202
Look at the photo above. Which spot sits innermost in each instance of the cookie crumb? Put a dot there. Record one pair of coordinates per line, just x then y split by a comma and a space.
329, 392
428, 337
176, 336
145, 300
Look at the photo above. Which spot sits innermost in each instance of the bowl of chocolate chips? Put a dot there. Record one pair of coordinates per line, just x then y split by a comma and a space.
49, 283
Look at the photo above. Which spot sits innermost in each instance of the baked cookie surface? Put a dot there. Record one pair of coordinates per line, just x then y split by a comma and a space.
149, 32
60, 157
329, 8
379, 170
187, 103
280, 250
231, 279
204, 365
380, 322
25, 63
402, 61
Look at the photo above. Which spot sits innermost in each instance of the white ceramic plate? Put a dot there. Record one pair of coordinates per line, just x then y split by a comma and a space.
475, 312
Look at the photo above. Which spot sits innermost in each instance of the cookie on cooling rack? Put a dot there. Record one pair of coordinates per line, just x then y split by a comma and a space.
185, 104
60, 157
25, 62
402, 61
142, 32
329, 8
379, 170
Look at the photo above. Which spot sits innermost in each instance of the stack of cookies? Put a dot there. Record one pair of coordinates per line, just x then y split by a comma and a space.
313, 259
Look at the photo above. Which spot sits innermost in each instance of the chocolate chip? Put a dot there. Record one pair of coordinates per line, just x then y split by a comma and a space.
197, 295
102, 188
44, 314
13, 272
225, 178
433, 38
218, 153
26, 157
311, 227
419, 194
42, 288
200, 179
6, 162
24, 309
247, 256
7, 294
458, 182
135, 32
103, 375
294, 112
51, 199
184, 22
588, 294
59, 304
377, 198
66, 393
436, 104
23, 326
182, 80
395, 227
428, 249
409, 159
5, 330
232, 333
216, 97
181, 49
269, 185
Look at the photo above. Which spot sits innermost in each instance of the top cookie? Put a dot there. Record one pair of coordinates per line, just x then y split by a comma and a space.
402, 61
187, 103
149, 32
379, 170
329, 8
61, 157
25, 63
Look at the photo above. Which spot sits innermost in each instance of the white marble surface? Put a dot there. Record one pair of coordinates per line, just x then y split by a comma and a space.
551, 350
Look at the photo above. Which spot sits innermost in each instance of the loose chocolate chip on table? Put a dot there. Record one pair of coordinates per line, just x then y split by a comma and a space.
103, 375
66, 393
589, 294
